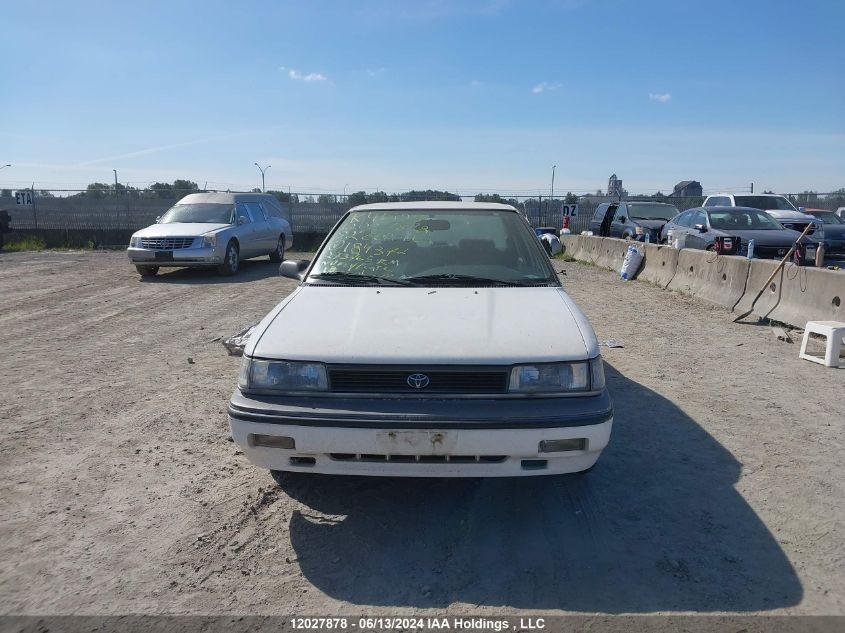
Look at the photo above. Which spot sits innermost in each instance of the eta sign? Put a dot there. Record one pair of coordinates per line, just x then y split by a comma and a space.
23, 197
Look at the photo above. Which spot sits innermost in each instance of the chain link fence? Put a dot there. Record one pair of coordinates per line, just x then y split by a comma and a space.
117, 216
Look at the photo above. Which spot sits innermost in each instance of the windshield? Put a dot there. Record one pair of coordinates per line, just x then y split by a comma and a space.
764, 202
652, 211
204, 212
827, 217
745, 220
437, 247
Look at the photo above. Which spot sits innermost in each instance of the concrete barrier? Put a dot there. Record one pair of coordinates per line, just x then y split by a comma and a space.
611, 253
659, 264
796, 294
719, 279
590, 248
571, 245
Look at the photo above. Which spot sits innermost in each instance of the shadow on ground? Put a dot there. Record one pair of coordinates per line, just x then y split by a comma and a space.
250, 270
657, 526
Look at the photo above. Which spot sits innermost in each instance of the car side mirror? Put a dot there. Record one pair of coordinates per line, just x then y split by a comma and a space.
241, 220
294, 268
623, 219
158, 219
701, 228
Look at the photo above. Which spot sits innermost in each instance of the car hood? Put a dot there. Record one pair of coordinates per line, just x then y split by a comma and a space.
766, 237
651, 224
395, 325
834, 231
780, 214
180, 229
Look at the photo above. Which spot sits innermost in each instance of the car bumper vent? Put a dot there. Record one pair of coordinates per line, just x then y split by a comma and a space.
419, 459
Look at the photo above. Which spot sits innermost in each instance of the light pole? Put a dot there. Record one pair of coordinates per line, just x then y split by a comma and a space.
115, 181
262, 174
551, 197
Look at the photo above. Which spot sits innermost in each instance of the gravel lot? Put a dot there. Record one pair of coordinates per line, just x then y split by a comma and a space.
722, 490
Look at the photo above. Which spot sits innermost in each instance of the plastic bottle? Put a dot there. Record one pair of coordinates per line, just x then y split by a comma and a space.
750, 249
646, 238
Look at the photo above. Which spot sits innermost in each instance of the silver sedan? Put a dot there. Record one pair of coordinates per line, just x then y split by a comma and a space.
212, 230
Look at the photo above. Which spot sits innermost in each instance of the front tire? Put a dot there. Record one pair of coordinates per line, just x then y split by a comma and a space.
147, 271
278, 255
232, 260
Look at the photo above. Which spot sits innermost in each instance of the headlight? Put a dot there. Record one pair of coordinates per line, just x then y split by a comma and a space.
135, 242
209, 241
550, 378
279, 376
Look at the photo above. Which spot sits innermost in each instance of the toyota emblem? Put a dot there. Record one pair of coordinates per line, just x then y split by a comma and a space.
418, 381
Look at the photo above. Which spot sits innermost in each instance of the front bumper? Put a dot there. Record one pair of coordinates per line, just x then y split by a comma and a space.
422, 438
177, 257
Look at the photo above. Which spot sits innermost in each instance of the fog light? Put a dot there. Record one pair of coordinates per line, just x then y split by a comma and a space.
271, 441
558, 446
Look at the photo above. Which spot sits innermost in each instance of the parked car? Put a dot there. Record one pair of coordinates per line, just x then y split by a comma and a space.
840, 212
775, 205
427, 339
631, 220
212, 230
700, 227
834, 231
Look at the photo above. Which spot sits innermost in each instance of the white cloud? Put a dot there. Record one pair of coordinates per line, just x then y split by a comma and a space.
543, 86
298, 76
662, 98
475, 83
372, 72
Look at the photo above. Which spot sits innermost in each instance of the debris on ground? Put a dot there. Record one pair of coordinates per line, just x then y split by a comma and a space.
781, 334
612, 342
236, 343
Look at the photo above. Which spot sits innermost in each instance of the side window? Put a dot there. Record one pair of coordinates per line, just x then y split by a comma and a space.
600, 211
255, 211
243, 212
684, 218
268, 210
710, 202
621, 212
698, 218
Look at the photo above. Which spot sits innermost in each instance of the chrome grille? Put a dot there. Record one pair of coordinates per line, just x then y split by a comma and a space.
166, 243
419, 459
441, 380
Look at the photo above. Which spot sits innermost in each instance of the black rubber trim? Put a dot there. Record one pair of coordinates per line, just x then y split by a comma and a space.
247, 415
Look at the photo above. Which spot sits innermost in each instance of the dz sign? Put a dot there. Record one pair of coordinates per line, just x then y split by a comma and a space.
23, 197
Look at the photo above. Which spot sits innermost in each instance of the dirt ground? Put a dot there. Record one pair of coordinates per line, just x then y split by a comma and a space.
722, 489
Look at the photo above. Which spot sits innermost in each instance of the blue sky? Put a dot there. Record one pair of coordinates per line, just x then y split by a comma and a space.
463, 95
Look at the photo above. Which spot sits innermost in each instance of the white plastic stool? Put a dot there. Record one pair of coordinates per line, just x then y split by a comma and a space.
835, 333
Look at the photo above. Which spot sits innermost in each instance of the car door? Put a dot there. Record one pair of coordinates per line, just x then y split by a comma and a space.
265, 235
617, 225
695, 237
245, 231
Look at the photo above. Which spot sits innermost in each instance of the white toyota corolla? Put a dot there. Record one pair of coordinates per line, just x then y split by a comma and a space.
425, 339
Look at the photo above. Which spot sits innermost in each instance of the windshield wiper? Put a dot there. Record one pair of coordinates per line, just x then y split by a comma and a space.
467, 280
639, 217
352, 278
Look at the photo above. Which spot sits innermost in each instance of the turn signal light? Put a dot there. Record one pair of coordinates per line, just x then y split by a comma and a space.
271, 441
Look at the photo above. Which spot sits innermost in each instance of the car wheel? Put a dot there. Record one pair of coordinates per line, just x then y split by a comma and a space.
147, 271
711, 248
231, 262
278, 255
627, 237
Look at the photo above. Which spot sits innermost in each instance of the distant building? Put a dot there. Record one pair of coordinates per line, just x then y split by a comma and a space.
614, 186
687, 189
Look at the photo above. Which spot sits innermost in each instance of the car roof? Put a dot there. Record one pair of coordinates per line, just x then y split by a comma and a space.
665, 204
225, 197
756, 195
722, 207
433, 205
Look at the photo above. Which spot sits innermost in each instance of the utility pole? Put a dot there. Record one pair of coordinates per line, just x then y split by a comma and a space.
752, 187
115, 181
262, 174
